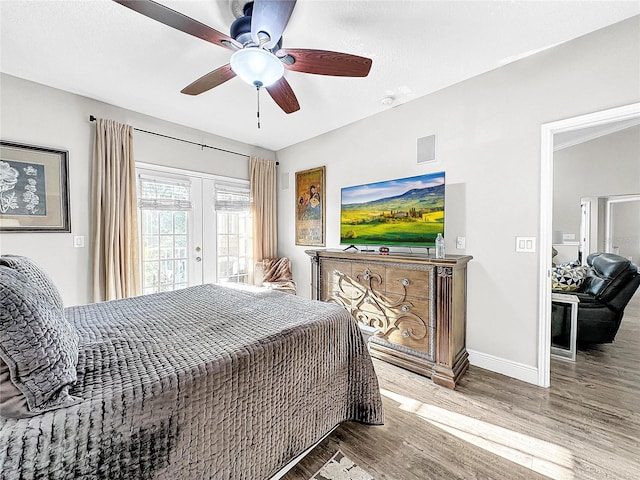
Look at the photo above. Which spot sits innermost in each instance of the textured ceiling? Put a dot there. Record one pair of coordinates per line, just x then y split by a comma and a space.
105, 51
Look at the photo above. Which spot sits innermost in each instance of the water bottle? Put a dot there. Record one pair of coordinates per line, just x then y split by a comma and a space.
439, 246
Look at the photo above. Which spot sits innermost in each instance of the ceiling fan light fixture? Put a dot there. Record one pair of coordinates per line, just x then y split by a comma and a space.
256, 66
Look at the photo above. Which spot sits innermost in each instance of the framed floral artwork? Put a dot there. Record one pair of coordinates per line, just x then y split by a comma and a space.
34, 189
310, 194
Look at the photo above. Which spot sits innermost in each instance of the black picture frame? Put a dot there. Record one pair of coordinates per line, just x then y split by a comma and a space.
34, 188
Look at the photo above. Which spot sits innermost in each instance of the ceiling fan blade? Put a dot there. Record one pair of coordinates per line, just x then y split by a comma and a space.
210, 80
181, 22
270, 16
283, 95
323, 62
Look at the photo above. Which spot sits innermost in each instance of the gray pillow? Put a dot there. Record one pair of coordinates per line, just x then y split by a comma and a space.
13, 404
38, 346
35, 274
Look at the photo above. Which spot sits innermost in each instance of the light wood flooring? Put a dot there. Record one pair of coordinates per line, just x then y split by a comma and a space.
586, 426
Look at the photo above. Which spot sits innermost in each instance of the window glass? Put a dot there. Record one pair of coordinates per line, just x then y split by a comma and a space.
165, 205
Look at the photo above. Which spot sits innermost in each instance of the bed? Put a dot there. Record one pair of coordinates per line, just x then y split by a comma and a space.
205, 382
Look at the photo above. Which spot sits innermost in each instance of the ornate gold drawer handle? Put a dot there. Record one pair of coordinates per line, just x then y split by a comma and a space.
406, 308
405, 282
367, 274
405, 333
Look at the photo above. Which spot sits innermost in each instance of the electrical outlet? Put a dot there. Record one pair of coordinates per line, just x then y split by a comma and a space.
461, 243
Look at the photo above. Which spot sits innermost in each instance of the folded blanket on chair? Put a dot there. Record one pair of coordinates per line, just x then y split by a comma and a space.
277, 269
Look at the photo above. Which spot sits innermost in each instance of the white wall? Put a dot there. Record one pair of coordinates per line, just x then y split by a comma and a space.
488, 142
38, 115
625, 234
603, 167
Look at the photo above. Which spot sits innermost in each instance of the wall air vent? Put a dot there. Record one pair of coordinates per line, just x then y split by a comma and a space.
427, 149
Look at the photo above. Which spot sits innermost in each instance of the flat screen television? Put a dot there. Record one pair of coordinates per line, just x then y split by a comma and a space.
406, 212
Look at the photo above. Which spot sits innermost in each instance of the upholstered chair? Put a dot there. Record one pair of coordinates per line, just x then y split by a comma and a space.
610, 283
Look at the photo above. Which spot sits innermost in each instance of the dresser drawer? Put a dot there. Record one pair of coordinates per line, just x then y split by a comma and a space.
413, 336
372, 304
330, 268
369, 275
394, 305
341, 289
407, 323
408, 305
414, 283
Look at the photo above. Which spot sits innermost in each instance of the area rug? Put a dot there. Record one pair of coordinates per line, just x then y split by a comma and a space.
341, 467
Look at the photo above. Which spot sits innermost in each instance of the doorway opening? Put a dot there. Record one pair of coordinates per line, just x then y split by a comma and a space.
549, 131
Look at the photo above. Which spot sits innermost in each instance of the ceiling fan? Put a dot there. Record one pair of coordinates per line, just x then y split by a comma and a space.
258, 58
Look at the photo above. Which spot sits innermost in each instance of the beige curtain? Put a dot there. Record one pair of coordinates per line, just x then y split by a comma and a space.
116, 267
262, 174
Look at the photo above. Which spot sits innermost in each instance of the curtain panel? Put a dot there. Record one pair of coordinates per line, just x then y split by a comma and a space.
262, 174
116, 264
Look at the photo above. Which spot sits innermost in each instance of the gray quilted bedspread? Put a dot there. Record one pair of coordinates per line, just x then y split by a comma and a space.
203, 383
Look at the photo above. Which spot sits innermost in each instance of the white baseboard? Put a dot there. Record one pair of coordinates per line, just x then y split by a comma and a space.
517, 370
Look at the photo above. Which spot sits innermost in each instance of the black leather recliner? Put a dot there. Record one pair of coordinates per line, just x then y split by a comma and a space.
610, 283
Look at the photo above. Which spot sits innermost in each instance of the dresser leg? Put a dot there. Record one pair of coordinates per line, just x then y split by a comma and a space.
448, 377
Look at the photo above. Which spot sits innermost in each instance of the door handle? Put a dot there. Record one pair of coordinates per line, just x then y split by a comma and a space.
198, 259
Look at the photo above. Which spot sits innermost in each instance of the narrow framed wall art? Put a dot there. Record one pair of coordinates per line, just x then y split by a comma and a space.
34, 189
310, 207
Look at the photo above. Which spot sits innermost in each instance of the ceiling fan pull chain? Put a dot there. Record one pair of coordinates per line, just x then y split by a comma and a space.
258, 97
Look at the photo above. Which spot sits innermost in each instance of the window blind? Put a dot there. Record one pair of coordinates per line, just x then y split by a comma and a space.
231, 198
164, 193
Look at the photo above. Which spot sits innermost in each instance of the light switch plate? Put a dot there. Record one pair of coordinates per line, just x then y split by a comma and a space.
461, 243
526, 244
78, 241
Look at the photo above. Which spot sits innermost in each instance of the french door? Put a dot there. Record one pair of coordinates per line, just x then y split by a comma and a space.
194, 229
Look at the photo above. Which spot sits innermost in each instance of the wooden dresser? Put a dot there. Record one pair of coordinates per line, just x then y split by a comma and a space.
416, 303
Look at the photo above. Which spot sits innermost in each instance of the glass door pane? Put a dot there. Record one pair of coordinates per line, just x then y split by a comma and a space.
167, 228
164, 250
234, 247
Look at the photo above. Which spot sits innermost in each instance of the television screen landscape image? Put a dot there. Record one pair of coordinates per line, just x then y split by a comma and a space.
404, 212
